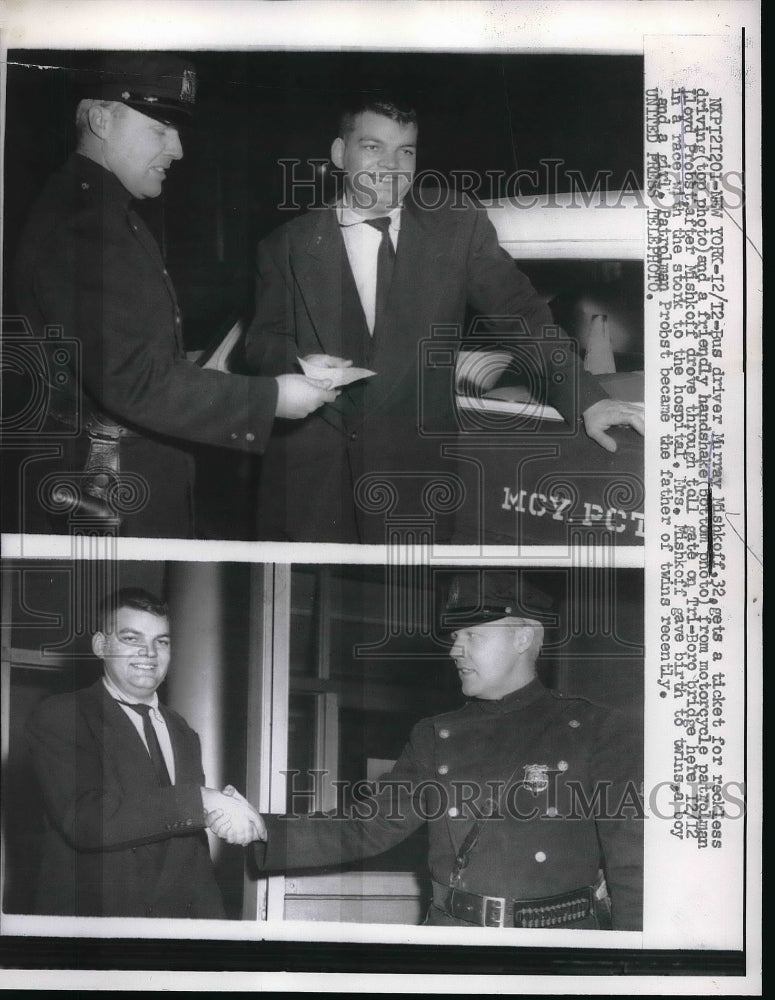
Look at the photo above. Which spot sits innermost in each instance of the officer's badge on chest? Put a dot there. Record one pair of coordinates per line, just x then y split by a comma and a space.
536, 777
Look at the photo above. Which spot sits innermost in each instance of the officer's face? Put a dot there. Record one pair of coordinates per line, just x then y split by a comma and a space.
378, 158
489, 659
139, 150
136, 655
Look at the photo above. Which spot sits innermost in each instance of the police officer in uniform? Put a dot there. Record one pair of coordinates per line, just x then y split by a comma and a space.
532, 799
127, 402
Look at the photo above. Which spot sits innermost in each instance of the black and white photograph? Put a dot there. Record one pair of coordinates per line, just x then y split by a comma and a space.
447, 743
171, 285
380, 496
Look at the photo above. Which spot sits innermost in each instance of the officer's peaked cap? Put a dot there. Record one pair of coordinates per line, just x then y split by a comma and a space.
479, 596
158, 84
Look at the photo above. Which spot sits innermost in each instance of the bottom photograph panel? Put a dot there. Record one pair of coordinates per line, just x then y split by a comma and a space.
402, 744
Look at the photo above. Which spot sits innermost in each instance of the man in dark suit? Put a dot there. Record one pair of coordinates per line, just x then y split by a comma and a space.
369, 282
124, 411
532, 798
123, 787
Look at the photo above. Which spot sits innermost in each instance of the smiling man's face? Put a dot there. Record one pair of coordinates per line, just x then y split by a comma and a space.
379, 159
136, 654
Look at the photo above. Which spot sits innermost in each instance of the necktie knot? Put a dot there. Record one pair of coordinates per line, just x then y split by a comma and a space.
144, 710
382, 224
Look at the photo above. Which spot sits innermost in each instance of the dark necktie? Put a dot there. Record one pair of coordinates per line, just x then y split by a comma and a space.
386, 257
157, 757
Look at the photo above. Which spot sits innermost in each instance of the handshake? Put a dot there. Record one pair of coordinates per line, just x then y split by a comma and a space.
231, 817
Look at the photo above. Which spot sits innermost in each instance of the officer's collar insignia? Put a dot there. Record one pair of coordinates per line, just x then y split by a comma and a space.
188, 86
536, 777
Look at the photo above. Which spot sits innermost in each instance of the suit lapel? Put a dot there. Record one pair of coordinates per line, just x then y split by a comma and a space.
316, 258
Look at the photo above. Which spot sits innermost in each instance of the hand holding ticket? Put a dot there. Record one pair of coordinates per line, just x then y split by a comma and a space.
337, 371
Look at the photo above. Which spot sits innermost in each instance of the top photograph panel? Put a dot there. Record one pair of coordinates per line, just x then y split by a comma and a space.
324, 297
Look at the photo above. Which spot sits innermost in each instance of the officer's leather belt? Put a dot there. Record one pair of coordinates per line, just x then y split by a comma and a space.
496, 911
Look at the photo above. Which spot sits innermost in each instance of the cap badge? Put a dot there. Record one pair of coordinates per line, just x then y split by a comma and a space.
536, 777
188, 86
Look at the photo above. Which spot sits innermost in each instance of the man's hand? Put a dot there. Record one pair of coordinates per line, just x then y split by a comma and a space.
231, 817
327, 361
298, 396
607, 413
260, 825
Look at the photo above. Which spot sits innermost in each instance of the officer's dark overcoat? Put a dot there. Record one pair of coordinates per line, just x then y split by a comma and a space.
565, 774
88, 264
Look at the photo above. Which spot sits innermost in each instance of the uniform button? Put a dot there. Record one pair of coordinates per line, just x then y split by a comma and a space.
443, 734
354, 436
250, 437
453, 812
574, 723
562, 765
164, 272
189, 822
540, 857
551, 811
84, 186
233, 437
444, 769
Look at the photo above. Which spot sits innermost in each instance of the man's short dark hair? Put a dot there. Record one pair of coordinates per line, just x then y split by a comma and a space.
129, 597
391, 106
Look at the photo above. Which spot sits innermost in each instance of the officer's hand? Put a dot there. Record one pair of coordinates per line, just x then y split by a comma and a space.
607, 413
327, 361
298, 396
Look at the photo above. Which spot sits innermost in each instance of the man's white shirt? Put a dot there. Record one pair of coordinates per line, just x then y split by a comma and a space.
157, 721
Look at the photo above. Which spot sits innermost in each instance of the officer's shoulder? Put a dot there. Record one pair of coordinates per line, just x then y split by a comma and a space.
434, 721
580, 705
